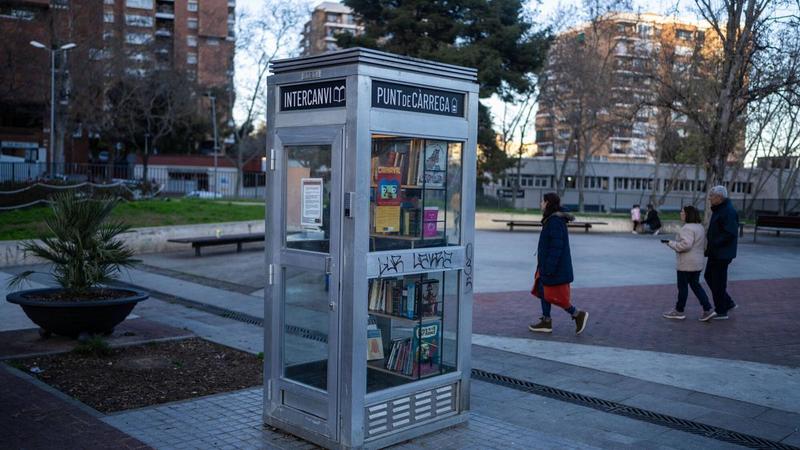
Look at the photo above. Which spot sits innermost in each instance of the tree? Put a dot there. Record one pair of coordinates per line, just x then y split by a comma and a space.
261, 37
579, 89
751, 53
497, 37
514, 128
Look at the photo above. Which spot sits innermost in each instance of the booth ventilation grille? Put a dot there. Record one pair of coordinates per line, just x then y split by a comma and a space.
404, 412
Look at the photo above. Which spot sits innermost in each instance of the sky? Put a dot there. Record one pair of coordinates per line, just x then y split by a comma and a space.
545, 13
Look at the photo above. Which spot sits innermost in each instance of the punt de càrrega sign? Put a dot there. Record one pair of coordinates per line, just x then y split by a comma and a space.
327, 94
417, 99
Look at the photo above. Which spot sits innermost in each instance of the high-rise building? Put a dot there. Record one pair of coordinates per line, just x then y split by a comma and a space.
613, 88
114, 39
327, 21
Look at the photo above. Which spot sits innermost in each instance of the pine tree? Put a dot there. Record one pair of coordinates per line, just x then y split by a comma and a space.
494, 36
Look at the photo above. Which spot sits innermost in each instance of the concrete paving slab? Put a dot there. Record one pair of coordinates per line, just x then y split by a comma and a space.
761, 384
233, 301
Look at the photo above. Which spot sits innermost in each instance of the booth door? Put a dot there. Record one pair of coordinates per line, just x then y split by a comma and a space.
306, 287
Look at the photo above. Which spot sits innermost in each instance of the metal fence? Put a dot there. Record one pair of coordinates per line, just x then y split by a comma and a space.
172, 180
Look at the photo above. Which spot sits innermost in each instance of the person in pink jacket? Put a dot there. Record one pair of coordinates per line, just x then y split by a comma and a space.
689, 246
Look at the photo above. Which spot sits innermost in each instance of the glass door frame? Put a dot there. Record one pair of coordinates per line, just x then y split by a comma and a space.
308, 402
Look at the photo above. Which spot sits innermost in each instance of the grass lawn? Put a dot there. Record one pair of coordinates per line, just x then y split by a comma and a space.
29, 222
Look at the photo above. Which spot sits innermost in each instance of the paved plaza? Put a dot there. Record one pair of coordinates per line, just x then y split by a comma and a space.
739, 378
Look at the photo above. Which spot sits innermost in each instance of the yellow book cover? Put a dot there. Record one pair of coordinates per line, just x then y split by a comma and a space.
387, 219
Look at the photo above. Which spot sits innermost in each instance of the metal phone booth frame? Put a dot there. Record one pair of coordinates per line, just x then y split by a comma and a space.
370, 231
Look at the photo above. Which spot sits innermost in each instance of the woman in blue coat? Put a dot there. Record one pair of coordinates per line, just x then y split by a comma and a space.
554, 267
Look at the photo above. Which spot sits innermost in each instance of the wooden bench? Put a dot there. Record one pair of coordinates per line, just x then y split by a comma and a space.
535, 223
777, 224
207, 241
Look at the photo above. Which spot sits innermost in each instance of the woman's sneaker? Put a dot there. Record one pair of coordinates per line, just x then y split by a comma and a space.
545, 325
674, 314
580, 321
708, 315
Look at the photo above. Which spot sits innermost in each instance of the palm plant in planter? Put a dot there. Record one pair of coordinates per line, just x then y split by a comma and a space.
84, 252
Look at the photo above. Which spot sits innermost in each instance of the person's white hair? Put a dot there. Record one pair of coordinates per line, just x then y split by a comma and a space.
719, 190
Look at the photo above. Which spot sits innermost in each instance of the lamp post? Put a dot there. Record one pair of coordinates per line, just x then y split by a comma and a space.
214, 127
53, 51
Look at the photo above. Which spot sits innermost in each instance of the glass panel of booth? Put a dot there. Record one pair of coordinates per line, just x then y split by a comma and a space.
412, 329
415, 195
308, 197
306, 321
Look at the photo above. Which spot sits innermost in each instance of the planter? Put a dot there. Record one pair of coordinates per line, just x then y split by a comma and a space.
72, 318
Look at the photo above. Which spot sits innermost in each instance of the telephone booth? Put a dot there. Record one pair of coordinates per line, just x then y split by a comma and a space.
370, 224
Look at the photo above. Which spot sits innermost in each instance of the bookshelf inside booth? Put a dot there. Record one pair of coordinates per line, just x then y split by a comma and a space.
415, 202
415, 193
412, 328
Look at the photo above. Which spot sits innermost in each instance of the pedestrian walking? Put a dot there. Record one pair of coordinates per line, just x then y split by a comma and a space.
636, 218
689, 246
722, 237
554, 267
652, 223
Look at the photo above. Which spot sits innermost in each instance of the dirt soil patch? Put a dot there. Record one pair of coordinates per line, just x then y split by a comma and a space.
150, 374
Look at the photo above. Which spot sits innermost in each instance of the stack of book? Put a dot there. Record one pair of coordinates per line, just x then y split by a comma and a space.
409, 298
417, 355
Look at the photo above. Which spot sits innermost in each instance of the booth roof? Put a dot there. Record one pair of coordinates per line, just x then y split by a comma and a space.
361, 55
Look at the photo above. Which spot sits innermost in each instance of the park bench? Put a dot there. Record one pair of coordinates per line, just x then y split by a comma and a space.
207, 241
535, 223
777, 224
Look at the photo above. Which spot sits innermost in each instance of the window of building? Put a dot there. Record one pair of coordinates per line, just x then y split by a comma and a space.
108, 17
595, 183
332, 17
212, 41
683, 35
139, 57
191, 24
191, 58
108, 2
108, 34
633, 184
191, 41
191, 75
570, 182
645, 31
741, 187
136, 20
191, 6
138, 38
141, 4
18, 14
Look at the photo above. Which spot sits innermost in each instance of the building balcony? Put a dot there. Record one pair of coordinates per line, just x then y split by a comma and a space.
165, 15
163, 32
231, 3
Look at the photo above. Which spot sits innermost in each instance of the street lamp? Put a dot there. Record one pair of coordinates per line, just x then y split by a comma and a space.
214, 125
53, 50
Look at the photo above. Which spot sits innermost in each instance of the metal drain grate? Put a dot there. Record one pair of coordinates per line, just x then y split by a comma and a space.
632, 412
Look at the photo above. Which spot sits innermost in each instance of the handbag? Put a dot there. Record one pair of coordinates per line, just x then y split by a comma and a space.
558, 295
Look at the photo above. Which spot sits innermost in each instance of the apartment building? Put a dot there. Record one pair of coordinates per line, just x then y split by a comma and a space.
327, 21
631, 50
113, 39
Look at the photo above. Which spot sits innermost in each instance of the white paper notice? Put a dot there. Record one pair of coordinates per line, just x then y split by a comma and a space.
311, 210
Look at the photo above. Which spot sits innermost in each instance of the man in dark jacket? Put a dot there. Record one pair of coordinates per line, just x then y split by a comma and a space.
721, 237
652, 223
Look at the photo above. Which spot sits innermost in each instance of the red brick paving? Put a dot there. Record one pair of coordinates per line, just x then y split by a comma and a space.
31, 418
763, 329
